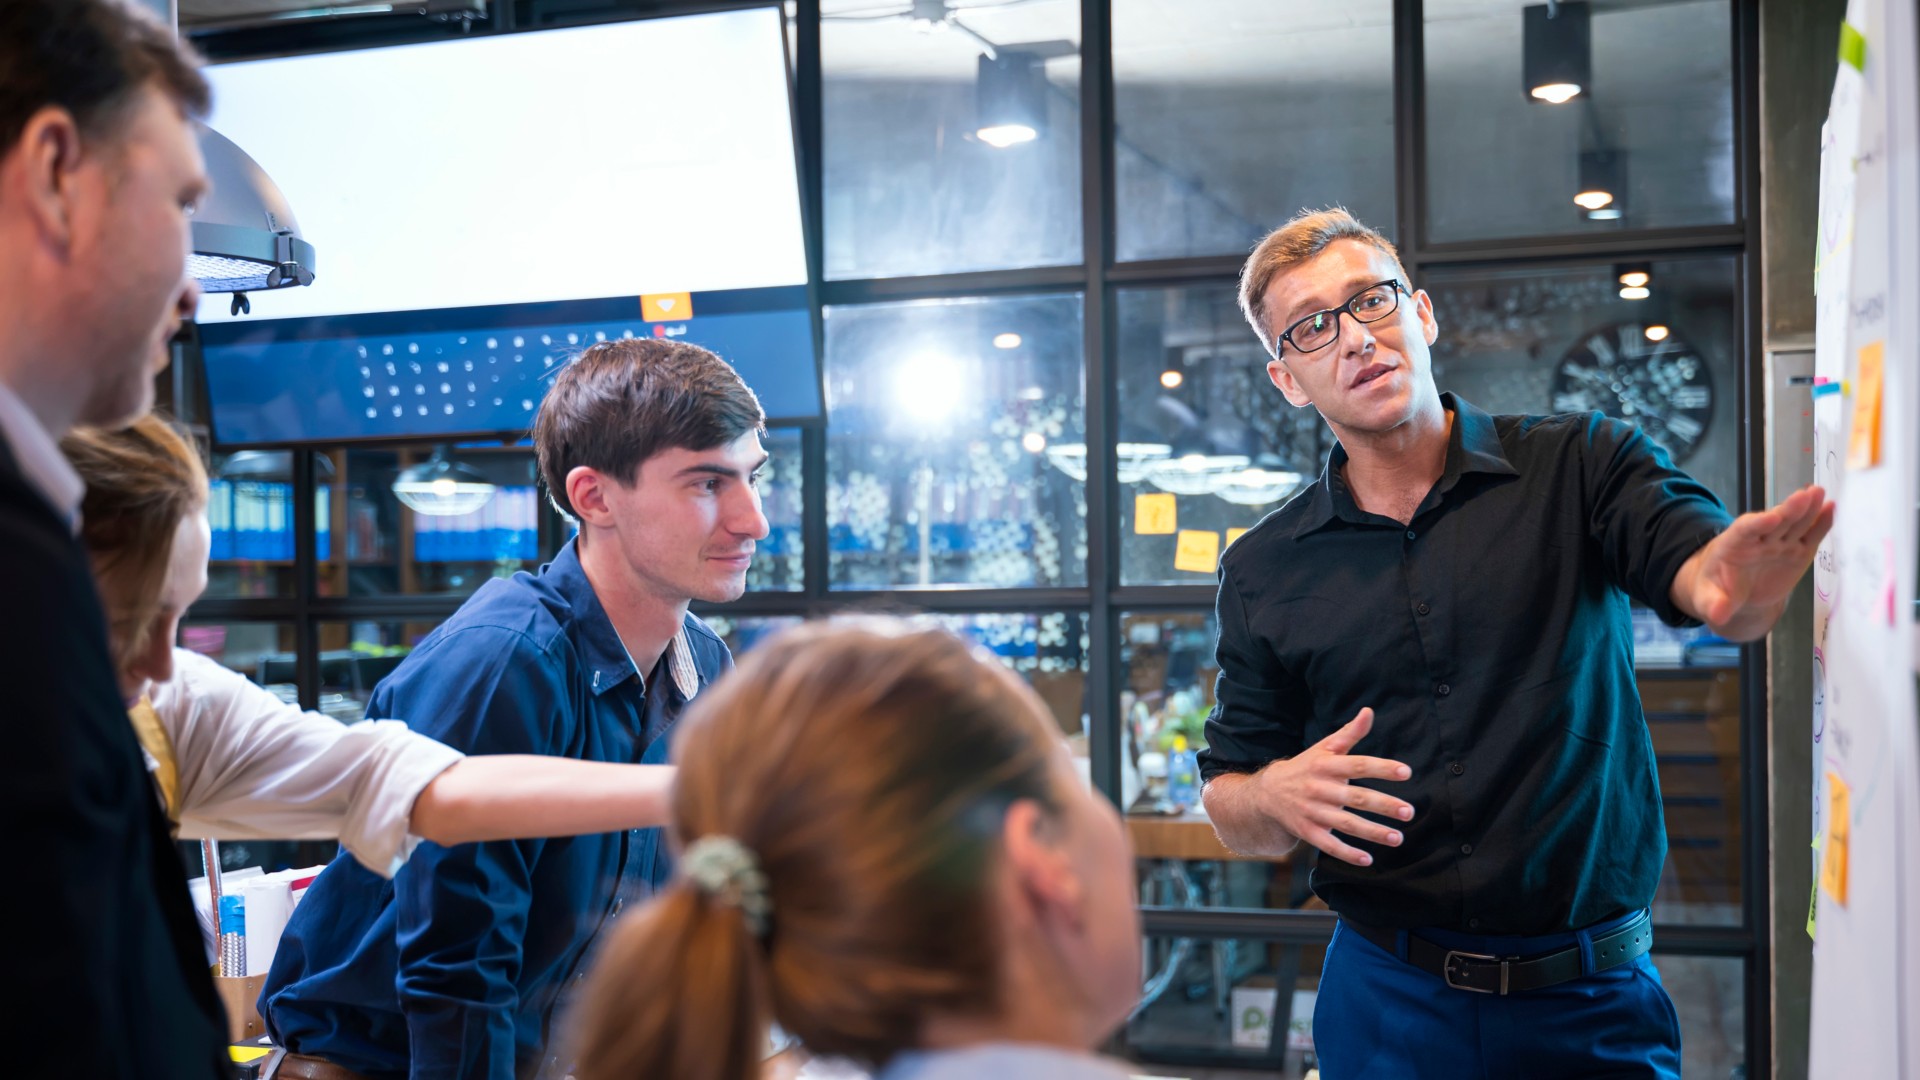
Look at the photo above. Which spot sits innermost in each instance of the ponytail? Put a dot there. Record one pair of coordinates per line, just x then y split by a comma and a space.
680, 991
847, 901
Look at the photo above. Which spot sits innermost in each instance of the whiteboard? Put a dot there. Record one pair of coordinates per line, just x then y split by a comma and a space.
1866, 730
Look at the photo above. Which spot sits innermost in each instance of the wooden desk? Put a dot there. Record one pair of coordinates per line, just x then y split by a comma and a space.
1185, 836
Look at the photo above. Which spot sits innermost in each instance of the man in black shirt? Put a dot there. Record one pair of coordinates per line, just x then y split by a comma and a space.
1454, 590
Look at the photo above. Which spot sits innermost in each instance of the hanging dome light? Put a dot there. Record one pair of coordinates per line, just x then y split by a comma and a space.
1256, 486
245, 237
1133, 460
1194, 474
1138, 458
442, 487
1069, 458
272, 466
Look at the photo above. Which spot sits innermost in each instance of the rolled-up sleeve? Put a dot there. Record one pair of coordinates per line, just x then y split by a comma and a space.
253, 766
1647, 516
1260, 710
462, 911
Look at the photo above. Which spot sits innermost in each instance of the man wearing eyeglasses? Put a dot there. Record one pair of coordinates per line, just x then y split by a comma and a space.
1426, 672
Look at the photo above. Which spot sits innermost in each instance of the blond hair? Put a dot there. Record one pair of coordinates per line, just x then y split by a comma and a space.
867, 769
142, 481
1286, 247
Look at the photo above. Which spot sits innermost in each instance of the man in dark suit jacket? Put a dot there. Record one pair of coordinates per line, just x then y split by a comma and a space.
99, 169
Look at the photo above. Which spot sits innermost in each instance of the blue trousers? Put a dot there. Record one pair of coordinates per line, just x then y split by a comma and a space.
1380, 1018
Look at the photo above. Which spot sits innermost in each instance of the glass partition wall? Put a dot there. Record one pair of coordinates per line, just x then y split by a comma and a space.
1047, 418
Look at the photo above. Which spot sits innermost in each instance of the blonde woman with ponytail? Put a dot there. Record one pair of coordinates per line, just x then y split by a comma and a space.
885, 850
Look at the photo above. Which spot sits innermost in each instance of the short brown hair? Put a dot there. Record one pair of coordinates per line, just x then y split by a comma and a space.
91, 58
878, 865
142, 481
1286, 247
621, 402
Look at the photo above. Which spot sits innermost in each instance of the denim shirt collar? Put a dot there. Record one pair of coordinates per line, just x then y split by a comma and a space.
608, 662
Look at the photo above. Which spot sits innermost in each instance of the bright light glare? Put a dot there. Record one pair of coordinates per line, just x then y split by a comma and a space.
1034, 442
1006, 341
1657, 333
1594, 200
1001, 136
1635, 292
1635, 278
1172, 379
930, 387
1556, 93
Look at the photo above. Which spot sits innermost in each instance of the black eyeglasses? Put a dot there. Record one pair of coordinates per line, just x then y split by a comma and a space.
1371, 304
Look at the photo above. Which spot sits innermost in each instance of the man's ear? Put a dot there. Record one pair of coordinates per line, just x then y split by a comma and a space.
1429, 322
1296, 394
44, 161
1042, 872
587, 491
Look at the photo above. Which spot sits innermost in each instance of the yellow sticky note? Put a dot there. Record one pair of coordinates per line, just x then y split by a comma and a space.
666, 307
1863, 444
1155, 514
1234, 534
1197, 550
1833, 861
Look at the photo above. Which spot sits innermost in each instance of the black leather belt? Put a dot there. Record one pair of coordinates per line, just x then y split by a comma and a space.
1482, 973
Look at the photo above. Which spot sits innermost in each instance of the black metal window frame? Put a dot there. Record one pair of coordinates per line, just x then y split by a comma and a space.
1097, 278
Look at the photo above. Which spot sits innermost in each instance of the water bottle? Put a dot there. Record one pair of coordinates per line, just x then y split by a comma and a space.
1183, 775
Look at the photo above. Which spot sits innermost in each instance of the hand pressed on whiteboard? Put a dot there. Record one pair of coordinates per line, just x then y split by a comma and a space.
1739, 582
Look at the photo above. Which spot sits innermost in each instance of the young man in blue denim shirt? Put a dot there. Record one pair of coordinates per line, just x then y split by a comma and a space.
460, 965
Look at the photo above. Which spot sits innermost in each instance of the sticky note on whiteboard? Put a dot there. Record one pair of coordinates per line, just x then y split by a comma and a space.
1155, 514
1198, 550
1863, 442
1833, 859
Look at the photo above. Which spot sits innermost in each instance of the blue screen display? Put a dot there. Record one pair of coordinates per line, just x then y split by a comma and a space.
480, 371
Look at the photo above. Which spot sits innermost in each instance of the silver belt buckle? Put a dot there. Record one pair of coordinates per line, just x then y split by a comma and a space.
1446, 971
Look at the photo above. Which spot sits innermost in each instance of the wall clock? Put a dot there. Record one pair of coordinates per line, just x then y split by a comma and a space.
1664, 387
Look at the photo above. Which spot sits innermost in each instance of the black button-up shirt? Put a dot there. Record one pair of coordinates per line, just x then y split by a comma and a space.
1491, 636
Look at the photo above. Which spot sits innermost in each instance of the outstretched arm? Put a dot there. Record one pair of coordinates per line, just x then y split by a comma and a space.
1738, 583
508, 796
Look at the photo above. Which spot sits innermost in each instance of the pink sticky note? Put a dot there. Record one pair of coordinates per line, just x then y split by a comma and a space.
1893, 593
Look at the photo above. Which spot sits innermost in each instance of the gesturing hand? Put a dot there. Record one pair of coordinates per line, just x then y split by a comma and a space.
1739, 580
1310, 794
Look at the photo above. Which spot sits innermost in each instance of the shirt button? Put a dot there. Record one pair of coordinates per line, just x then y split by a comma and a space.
1423, 609
1456, 768
1474, 923
1443, 689
618, 903
1409, 534
1466, 849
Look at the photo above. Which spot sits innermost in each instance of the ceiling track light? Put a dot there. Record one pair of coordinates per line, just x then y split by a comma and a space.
1011, 97
1634, 275
1556, 52
1603, 184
